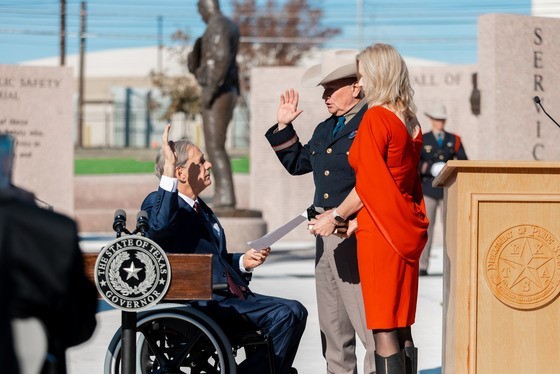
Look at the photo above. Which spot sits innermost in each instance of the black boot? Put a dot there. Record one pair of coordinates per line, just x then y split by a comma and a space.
411, 359
390, 365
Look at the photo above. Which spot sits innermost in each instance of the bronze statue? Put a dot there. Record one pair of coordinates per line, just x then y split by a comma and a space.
212, 61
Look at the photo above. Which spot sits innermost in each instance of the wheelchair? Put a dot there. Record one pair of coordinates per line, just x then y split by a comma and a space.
178, 338
175, 337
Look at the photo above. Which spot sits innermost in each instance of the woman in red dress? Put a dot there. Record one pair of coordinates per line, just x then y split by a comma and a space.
391, 219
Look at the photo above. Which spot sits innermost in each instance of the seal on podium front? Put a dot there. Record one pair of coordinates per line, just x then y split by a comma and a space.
522, 267
132, 273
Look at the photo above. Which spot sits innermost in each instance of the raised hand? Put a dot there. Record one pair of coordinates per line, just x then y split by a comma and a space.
169, 155
288, 109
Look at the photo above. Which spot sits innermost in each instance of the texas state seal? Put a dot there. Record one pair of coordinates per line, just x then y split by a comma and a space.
132, 273
522, 267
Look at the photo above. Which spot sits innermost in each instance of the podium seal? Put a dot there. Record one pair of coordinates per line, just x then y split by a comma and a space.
522, 267
132, 273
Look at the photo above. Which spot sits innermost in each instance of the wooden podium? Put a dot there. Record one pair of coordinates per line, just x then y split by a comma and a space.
501, 277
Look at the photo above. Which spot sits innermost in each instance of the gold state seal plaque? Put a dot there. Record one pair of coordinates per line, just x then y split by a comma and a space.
523, 267
132, 273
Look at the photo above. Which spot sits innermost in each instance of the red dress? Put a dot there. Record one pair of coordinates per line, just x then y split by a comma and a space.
392, 226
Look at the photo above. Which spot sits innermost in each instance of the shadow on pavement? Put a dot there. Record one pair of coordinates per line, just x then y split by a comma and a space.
285, 255
430, 371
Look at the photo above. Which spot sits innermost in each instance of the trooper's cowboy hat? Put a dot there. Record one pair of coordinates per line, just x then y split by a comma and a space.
438, 111
336, 64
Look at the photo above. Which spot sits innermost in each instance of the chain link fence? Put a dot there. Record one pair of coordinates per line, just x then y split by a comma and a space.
134, 119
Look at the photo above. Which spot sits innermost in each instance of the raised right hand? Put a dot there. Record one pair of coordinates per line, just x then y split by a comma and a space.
288, 109
169, 155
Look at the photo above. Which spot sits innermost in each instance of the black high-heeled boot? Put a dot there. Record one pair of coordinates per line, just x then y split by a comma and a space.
390, 365
411, 360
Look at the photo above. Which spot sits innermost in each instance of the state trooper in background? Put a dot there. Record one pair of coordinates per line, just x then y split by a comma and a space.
440, 146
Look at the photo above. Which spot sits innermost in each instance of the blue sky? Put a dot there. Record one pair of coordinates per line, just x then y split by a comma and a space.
443, 30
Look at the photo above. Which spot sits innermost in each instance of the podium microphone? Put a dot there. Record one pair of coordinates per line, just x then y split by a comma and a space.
119, 222
142, 222
537, 100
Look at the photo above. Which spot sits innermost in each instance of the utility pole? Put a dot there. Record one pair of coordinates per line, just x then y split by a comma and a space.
62, 32
359, 23
81, 77
160, 44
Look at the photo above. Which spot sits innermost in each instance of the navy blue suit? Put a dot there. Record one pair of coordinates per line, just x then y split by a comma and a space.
177, 228
46, 276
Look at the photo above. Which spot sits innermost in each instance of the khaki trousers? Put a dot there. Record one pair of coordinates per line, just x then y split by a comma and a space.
341, 306
431, 210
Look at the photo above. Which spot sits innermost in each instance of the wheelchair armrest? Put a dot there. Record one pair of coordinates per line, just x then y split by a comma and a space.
220, 287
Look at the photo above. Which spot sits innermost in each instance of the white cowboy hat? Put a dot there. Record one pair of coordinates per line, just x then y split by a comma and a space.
336, 64
438, 111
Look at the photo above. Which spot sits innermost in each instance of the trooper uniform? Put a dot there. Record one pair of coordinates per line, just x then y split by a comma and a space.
339, 295
432, 154
325, 156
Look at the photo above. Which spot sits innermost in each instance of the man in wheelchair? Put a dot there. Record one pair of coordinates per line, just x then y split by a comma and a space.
180, 222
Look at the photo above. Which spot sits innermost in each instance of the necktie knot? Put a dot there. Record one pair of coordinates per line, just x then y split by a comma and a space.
339, 125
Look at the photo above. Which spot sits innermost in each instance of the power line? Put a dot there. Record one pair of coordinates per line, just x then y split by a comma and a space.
135, 21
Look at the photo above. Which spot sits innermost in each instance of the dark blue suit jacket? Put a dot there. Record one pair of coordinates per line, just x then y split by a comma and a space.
177, 228
46, 277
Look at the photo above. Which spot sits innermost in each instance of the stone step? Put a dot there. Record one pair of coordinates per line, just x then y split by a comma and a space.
112, 191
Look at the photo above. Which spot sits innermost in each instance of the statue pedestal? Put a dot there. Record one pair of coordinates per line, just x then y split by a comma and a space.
241, 226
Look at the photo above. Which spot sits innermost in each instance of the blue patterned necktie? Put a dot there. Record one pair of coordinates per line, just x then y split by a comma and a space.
439, 139
339, 125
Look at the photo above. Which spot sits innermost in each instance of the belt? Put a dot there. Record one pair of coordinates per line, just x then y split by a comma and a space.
324, 208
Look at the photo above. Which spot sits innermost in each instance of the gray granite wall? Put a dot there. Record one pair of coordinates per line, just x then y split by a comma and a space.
519, 57
36, 106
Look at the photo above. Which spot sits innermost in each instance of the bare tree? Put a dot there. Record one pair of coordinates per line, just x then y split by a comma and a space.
272, 34
277, 34
183, 90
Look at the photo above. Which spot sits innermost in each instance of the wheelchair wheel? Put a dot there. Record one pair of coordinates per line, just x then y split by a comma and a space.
181, 340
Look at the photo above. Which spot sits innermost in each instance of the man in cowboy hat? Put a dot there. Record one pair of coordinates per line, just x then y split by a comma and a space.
439, 147
339, 294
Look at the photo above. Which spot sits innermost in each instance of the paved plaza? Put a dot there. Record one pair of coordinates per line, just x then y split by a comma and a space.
289, 273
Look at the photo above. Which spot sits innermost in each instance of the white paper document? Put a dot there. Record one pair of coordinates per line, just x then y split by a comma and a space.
272, 237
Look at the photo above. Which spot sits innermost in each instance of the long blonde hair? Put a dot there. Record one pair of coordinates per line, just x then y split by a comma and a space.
385, 81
